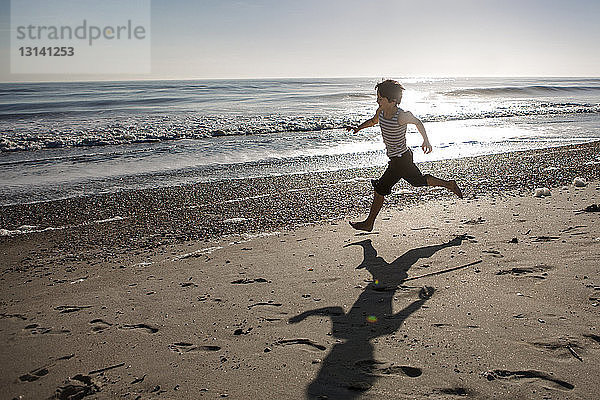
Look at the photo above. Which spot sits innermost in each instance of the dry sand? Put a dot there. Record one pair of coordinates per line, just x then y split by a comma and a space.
495, 297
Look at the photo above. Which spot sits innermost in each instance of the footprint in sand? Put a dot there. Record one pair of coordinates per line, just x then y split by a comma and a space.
561, 348
19, 316
381, 368
457, 391
35, 329
477, 221
527, 271
307, 342
544, 238
529, 374
99, 325
241, 331
143, 327
493, 253
70, 309
77, 387
34, 375
247, 281
593, 337
270, 303
184, 347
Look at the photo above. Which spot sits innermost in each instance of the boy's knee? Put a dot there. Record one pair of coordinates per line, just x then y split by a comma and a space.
418, 180
379, 188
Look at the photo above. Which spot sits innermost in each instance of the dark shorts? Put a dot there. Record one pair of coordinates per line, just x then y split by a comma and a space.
399, 167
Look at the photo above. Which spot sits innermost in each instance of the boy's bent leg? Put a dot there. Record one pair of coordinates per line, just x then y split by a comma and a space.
367, 224
450, 185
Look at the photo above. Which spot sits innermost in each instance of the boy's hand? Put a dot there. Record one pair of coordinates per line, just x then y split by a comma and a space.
352, 129
426, 146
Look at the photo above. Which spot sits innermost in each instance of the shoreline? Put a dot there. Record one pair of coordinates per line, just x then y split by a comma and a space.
259, 169
109, 224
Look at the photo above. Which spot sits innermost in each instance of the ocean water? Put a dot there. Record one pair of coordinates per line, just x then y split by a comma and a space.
60, 140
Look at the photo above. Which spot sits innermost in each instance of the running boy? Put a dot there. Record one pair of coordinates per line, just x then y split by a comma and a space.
393, 121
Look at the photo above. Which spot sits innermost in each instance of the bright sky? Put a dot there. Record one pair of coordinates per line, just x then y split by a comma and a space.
352, 38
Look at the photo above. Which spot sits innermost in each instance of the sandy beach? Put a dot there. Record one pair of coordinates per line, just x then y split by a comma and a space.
198, 292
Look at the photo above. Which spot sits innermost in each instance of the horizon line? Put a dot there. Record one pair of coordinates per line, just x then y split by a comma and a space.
157, 79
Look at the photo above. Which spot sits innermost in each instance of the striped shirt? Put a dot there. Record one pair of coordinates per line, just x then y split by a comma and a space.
394, 135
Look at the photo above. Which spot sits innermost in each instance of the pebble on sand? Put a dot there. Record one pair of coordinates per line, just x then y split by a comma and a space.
579, 182
541, 192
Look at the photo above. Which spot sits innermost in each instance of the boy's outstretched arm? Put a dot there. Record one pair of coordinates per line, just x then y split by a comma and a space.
368, 123
425, 294
327, 311
408, 118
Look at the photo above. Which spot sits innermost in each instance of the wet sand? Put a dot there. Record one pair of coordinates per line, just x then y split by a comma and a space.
194, 292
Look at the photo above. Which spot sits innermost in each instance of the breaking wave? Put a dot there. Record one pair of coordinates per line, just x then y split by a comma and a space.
539, 90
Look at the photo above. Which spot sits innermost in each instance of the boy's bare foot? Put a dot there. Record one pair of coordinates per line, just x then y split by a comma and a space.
361, 226
455, 189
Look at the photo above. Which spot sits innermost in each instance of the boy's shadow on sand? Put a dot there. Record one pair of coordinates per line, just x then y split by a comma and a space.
350, 367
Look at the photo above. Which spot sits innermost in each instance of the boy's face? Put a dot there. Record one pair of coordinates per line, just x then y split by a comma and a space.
384, 102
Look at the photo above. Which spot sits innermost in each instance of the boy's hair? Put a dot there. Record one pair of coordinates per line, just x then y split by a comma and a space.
390, 89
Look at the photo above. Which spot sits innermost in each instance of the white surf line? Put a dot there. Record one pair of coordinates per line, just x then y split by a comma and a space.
25, 229
354, 180
143, 264
245, 237
79, 280
236, 220
197, 253
113, 219
248, 237
28, 229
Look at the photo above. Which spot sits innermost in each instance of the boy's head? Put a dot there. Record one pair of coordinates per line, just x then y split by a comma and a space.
391, 90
